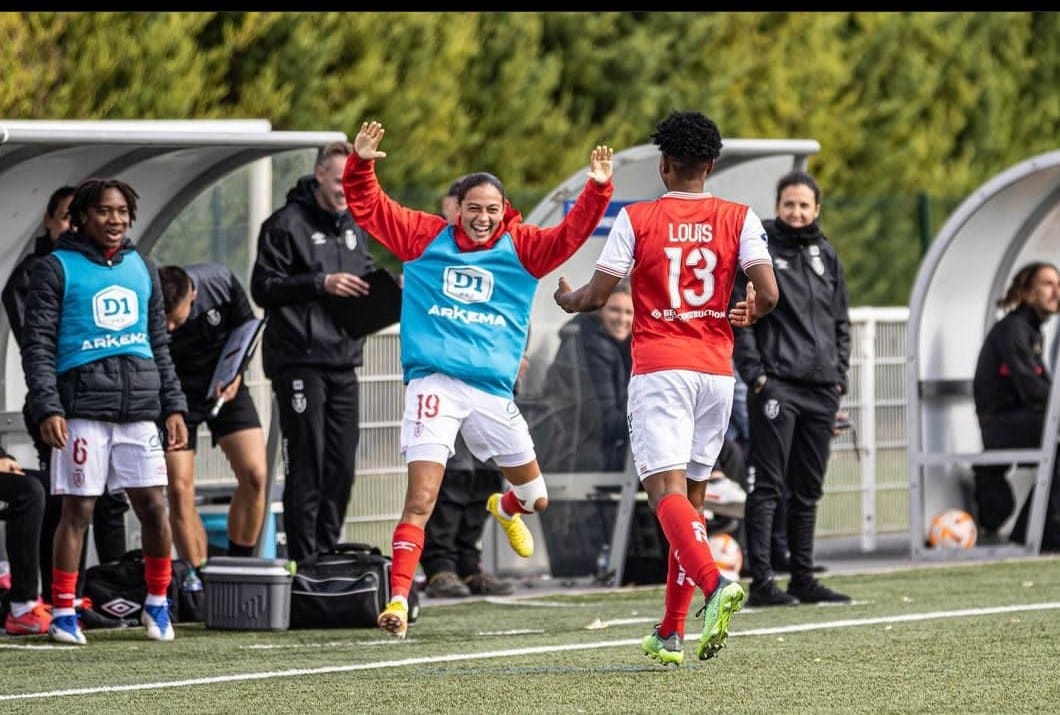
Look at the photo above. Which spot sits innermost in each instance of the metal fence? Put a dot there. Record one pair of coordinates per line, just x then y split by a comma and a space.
866, 489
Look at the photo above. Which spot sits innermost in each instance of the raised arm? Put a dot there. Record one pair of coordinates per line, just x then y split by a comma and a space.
403, 231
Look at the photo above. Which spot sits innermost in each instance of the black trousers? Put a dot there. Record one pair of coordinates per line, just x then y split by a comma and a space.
790, 442
451, 539
994, 498
320, 421
24, 513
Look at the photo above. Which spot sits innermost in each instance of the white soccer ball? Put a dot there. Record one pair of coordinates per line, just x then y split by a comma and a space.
727, 554
952, 529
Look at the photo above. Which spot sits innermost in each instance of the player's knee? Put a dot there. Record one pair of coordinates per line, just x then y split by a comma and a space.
252, 479
533, 495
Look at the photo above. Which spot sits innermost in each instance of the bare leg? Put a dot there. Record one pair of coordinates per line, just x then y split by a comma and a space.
245, 451
185, 524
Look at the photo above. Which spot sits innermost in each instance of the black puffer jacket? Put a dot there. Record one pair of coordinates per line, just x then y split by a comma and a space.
298, 245
120, 388
807, 336
17, 287
584, 427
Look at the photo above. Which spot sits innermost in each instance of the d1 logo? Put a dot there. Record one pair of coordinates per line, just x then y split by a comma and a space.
468, 284
115, 308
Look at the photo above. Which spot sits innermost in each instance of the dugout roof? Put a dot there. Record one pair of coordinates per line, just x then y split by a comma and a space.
1010, 220
168, 162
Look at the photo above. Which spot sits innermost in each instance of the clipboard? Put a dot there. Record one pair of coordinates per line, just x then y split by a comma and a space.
236, 355
362, 315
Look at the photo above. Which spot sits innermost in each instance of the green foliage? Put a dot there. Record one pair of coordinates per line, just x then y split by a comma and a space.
903, 103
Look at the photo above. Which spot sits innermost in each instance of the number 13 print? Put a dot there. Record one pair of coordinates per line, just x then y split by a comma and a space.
702, 261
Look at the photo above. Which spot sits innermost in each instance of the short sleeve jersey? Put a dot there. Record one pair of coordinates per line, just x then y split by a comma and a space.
681, 253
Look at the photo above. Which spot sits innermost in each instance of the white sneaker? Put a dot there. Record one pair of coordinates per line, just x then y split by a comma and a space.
724, 491
156, 621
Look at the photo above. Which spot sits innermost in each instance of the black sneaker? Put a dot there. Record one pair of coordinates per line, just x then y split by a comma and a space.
783, 565
767, 594
814, 591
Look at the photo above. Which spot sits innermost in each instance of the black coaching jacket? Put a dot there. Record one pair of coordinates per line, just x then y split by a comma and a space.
806, 338
298, 245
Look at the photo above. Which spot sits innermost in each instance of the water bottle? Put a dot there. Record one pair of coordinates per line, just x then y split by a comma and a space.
603, 563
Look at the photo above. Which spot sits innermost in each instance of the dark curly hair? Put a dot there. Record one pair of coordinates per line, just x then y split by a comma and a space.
90, 192
690, 140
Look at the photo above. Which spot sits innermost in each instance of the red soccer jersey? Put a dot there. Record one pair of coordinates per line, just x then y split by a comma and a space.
681, 252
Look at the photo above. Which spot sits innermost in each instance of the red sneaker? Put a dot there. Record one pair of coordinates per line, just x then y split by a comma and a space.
32, 622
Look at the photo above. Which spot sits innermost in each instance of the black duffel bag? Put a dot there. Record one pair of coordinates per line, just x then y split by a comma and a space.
118, 590
347, 587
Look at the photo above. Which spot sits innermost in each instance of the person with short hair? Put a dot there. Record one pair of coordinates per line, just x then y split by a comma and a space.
95, 354
108, 517
309, 249
795, 364
682, 253
204, 304
465, 319
1011, 392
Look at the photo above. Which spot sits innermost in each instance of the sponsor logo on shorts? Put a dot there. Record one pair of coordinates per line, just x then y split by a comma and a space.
771, 409
298, 402
79, 476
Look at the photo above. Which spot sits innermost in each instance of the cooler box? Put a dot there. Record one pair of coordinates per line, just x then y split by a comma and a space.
247, 594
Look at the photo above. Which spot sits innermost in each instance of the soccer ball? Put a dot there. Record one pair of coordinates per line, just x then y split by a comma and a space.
952, 529
727, 554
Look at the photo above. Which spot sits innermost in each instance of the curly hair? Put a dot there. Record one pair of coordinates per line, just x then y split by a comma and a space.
90, 192
1022, 283
690, 140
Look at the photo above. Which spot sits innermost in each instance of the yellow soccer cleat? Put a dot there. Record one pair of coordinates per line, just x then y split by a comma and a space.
518, 533
395, 618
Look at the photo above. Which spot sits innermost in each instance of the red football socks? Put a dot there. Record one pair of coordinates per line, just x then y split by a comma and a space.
158, 572
687, 534
510, 504
64, 588
406, 547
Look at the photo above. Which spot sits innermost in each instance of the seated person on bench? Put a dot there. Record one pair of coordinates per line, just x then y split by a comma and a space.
1011, 391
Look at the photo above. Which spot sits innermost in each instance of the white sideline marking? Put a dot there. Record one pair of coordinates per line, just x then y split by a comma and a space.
456, 657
